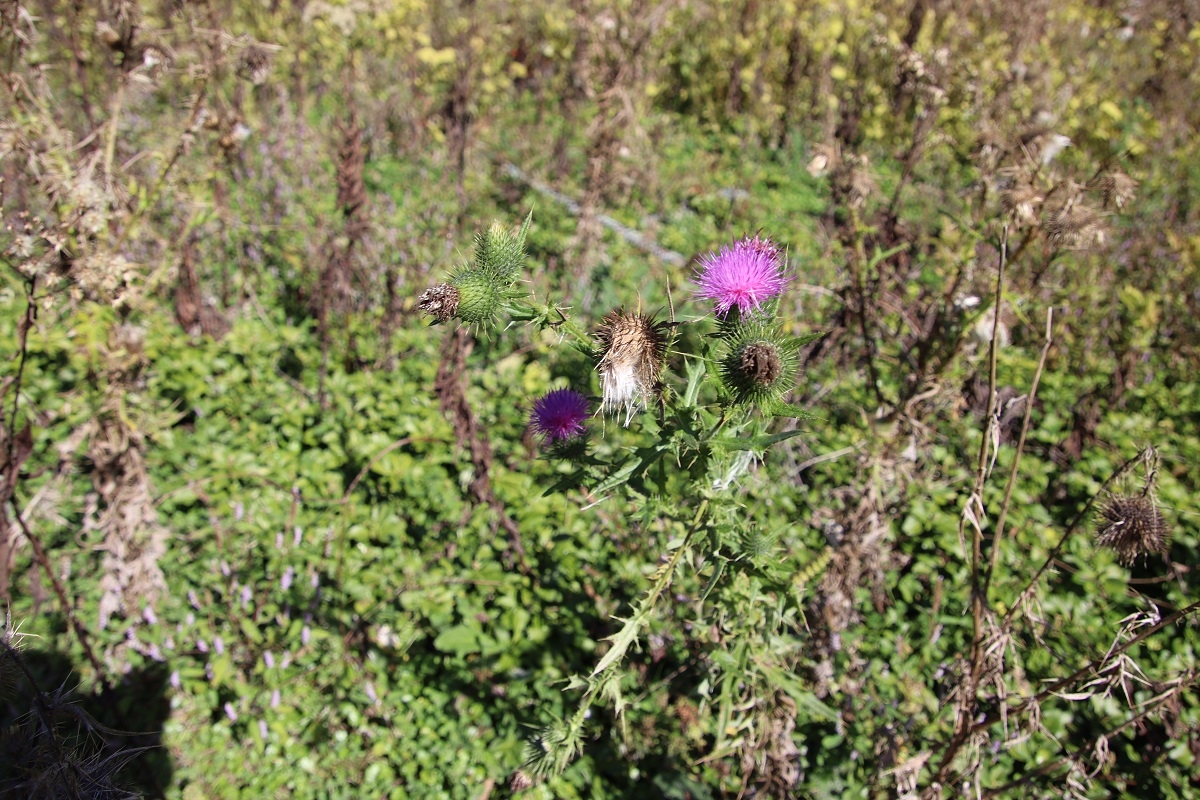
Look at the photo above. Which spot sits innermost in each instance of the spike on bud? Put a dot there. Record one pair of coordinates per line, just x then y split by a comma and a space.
440, 302
632, 350
1131, 526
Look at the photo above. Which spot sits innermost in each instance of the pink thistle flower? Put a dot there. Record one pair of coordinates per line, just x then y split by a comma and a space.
560, 414
746, 274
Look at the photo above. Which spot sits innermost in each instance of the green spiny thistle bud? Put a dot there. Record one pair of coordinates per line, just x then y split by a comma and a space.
500, 253
760, 364
480, 296
757, 543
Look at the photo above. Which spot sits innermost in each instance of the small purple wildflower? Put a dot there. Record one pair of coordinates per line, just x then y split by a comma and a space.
225, 570
247, 596
269, 659
239, 511
202, 645
560, 414
315, 580
285, 582
275, 699
175, 681
279, 540
262, 729
746, 274
229, 712
149, 616
305, 633
195, 601
219, 645
370, 690
297, 536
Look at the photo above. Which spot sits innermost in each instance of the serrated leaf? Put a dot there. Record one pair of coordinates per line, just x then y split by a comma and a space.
756, 443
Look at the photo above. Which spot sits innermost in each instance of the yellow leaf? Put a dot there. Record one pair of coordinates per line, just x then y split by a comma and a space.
839, 73
1110, 108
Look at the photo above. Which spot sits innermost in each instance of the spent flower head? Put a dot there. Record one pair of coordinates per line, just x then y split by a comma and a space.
632, 350
559, 415
1131, 526
746, 274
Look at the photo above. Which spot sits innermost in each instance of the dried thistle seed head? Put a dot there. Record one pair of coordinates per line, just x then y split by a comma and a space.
1074, 226
1020, 202
632, 350
440, 302
1116, 189
1131, 526
254, 63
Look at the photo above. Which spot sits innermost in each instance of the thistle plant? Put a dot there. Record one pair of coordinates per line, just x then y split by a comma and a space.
699, 410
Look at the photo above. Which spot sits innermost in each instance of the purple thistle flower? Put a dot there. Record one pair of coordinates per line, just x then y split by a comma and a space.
560, 414
746, 275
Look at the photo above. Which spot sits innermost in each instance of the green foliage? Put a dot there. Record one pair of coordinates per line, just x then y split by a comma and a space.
210, 314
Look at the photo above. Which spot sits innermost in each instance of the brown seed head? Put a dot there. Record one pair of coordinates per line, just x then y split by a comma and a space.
1020, 202
632, 350
1074, 226
1131, 526
439, 302
1117, 189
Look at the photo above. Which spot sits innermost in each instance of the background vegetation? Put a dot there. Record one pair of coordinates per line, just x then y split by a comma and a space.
266, 532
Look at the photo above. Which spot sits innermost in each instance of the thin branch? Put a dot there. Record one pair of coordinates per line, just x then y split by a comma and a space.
998, 534
43, 560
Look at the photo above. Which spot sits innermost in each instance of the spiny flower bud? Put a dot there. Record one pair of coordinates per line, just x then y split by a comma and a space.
632, 350
440, 302
479, 296
500, 252
1131, 526
759, 365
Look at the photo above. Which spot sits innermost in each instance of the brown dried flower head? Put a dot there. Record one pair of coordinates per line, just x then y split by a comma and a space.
1075, 226
632, 350
440, 302
1117, 189
1131, 526
1020, 202
254, 63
